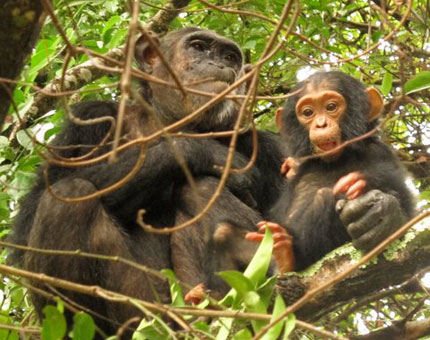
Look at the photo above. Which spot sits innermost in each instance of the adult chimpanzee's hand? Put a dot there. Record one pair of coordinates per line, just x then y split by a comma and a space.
370, 218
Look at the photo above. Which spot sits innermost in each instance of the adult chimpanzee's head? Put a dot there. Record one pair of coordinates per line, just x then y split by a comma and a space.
202, 60
331, 108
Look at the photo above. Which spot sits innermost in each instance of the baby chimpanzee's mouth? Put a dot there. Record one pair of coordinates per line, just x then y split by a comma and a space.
327, 145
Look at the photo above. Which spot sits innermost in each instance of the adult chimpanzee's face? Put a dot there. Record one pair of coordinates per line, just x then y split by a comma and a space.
207, 56
206, 62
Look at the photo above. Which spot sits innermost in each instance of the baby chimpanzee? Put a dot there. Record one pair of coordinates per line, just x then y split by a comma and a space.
331, 109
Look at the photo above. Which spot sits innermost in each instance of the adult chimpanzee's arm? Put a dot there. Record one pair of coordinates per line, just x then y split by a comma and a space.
159, 172
387, 204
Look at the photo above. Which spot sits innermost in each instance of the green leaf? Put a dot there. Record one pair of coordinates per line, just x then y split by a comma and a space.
387, 83
117, 38
254, 304
83, 327
238, 281
376, 36
290, 323
175, 288
266, 290
225, 325
20, 185
4, 142
4, 333
203, 326
244, 334
24, 139
60, 305
257, 268
150, 330
420, 82
54, 324
276, 330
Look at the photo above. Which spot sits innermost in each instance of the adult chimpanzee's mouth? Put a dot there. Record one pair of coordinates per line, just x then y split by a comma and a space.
219, 86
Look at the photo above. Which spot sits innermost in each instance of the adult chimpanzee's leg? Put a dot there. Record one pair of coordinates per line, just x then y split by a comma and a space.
88, 227
217, 241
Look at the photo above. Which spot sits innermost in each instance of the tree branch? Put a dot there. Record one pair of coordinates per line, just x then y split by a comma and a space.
88, 72
160, 22
400, 330
396, 265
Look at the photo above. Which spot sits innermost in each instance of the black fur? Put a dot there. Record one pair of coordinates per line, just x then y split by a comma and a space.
307, 206
107, 224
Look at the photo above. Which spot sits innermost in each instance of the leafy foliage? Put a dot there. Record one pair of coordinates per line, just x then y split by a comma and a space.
366, 39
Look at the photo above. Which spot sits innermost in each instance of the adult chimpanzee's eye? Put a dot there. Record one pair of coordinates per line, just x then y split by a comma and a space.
308, 112
231, 57
198, 45
331, 106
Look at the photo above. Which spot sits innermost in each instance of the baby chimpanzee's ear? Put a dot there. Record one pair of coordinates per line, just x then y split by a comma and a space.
376, 103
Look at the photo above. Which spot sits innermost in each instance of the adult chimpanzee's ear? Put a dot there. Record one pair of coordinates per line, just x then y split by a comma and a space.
145, 53
246, 69
376, 103
278, 117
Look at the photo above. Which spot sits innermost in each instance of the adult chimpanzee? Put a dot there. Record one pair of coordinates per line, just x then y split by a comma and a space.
107, 225
331, 109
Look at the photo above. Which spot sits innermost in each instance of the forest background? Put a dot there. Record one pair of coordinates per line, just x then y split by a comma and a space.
55, 54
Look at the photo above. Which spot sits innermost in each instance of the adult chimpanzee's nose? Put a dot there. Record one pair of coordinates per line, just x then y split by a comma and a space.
214, 63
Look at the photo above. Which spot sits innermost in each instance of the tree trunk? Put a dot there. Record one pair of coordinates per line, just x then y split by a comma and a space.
20, 23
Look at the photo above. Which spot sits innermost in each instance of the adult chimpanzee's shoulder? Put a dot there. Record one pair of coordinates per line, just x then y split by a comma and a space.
271, 143
269, 146
91, 123
94, 109
270, 155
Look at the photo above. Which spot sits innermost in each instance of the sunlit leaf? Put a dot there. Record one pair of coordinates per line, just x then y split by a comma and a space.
175, 288
257, 268
54, 324
290, 324
420, 82
238, 281
83, 327
244, 334
254, 304
24, 139
150, 330
276, 330
387, 83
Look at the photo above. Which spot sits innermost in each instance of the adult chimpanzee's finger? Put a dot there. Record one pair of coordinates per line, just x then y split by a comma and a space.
365, 223
353, 210
382, 217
